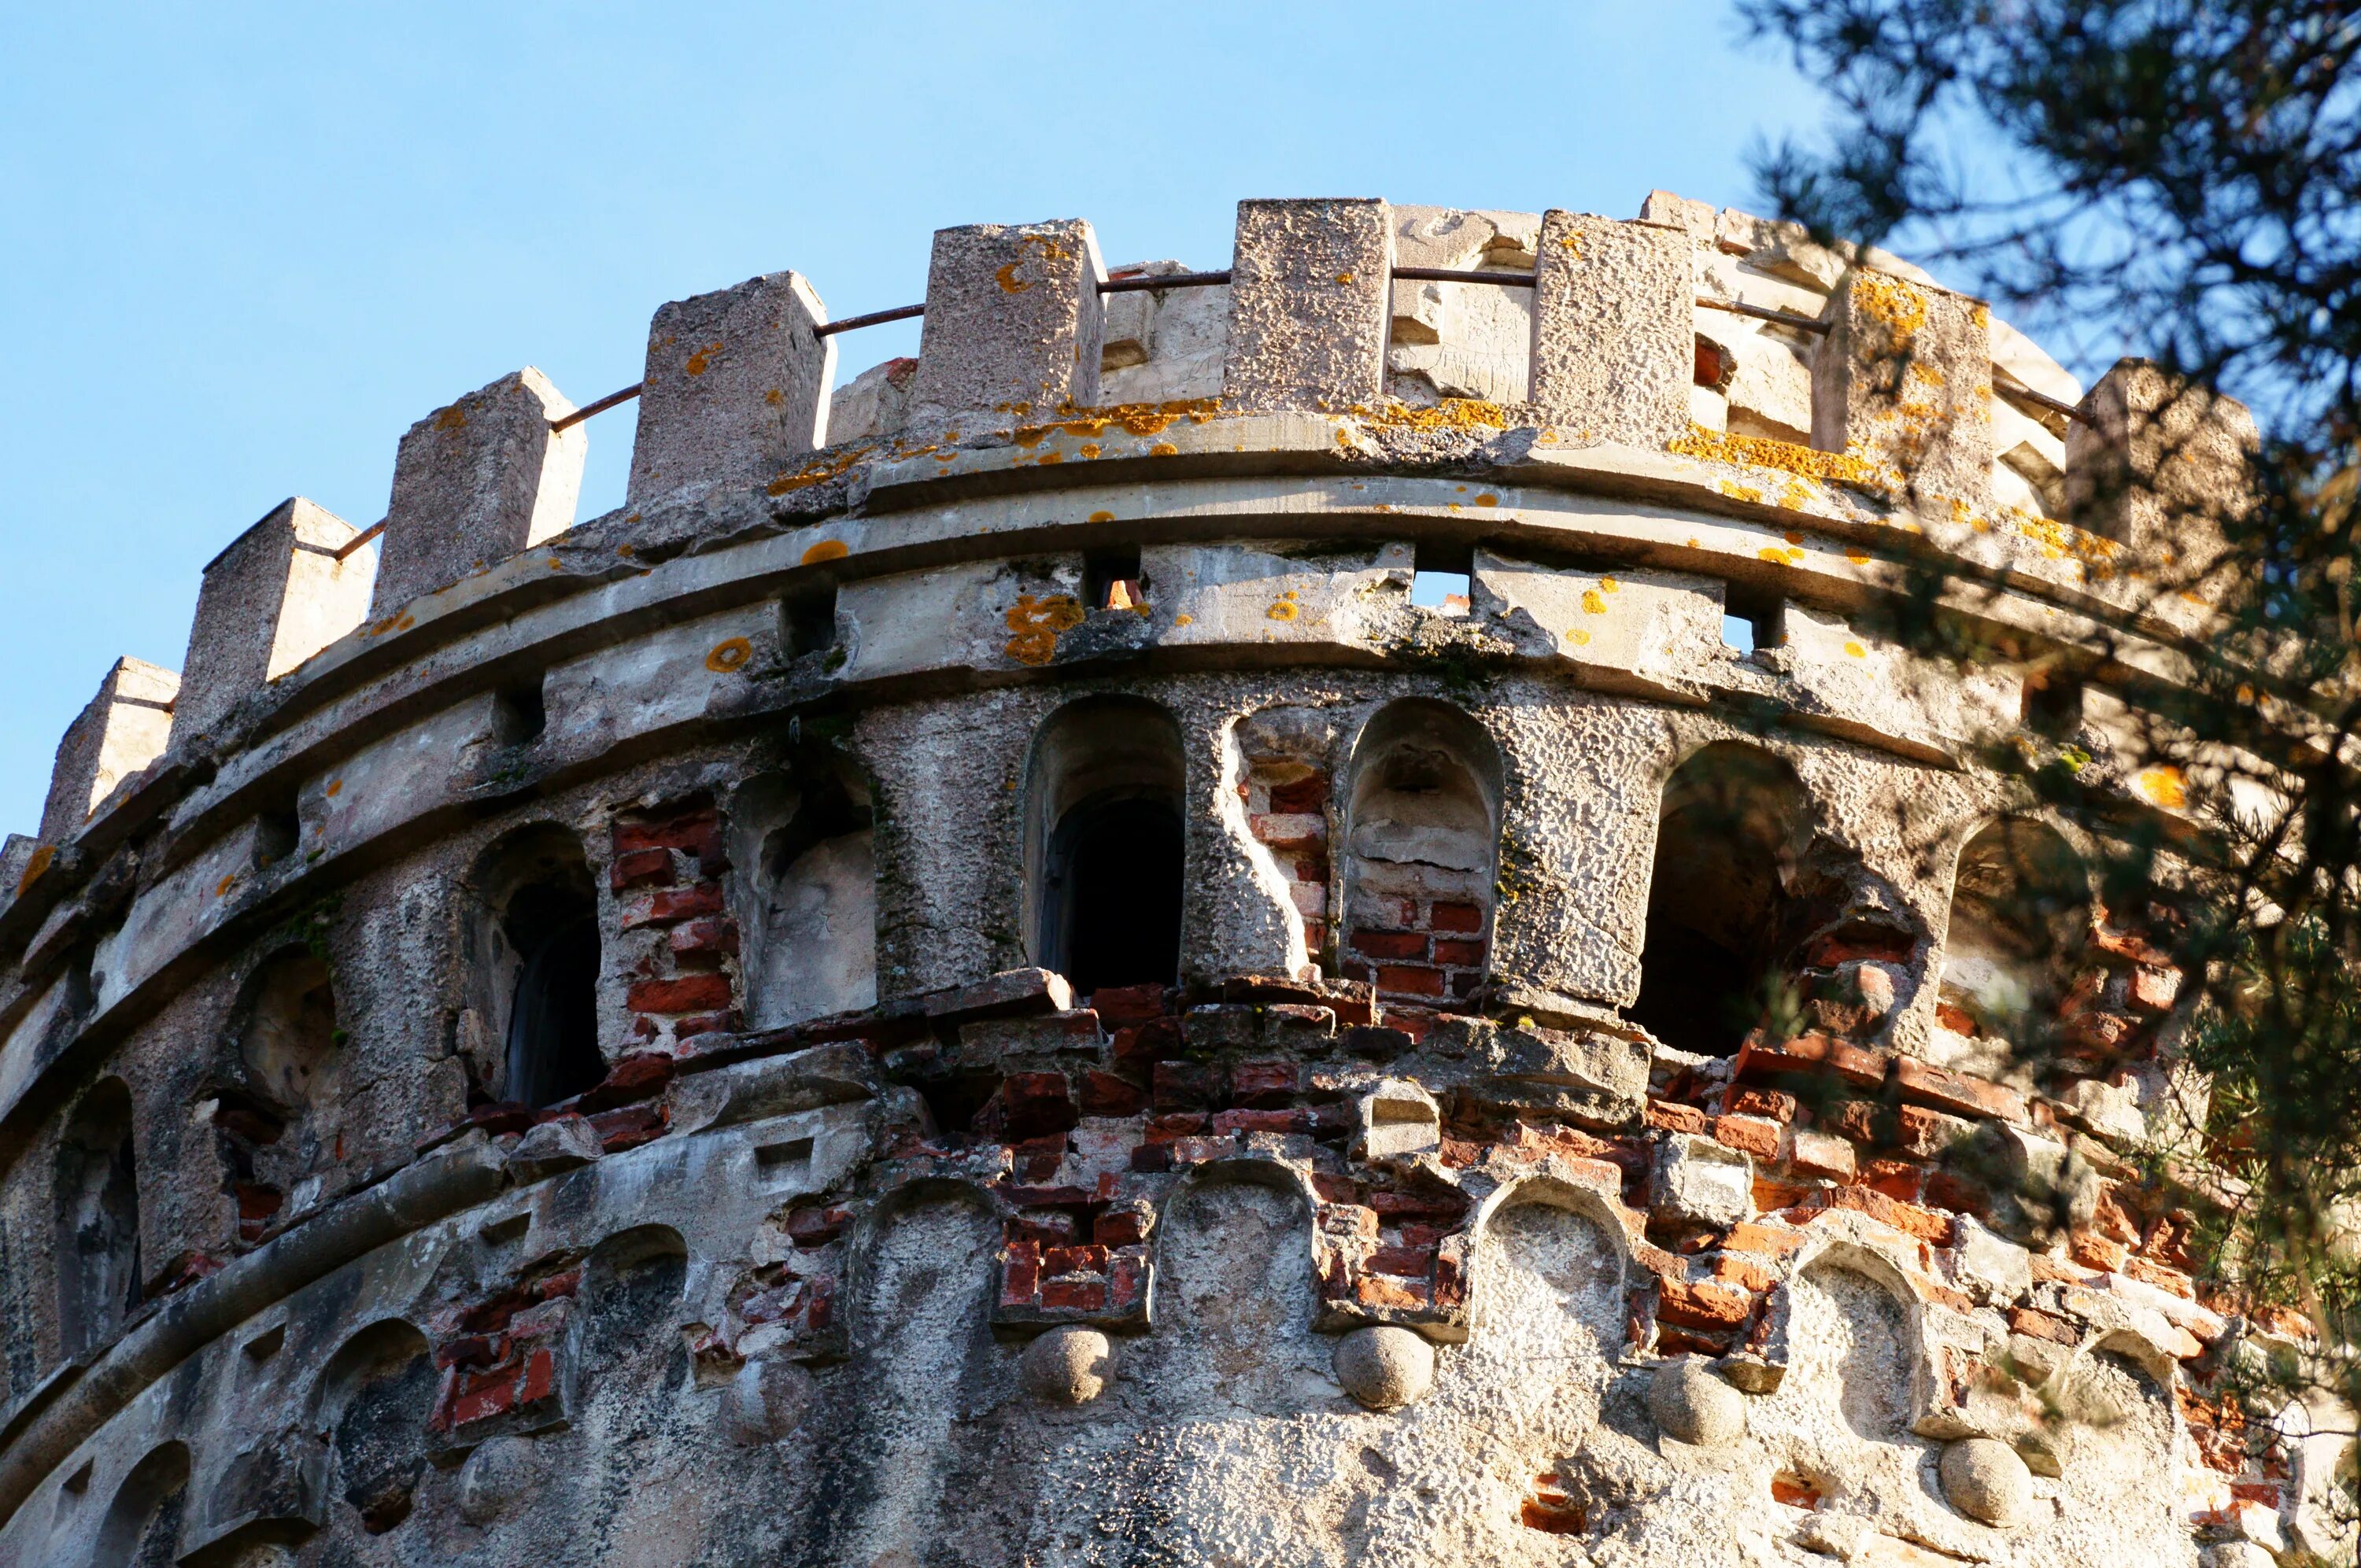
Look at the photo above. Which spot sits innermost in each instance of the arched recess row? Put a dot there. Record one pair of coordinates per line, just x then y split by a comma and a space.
534, 948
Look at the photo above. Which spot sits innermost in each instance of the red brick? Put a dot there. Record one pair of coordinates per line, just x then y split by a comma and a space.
1020, 1274
679, 904
1896, 1179
1045, 1227
1702, 1305
1185, 1085
1121, 1005
1290, 834
1226, 1122
634, 1076
1674, 1118
1460, 954
1388, 1291
716, 936
816, 1224
1958, 1194
1811, 1054
629, 1127
1770, 1195
1035, 1103
698, 832
1402, 1262
1409, 981
2043, 1325
640, 868
2163, 1278
1739, 1273
1923, 1134
1907, 1218
2155, 988
1855, 1119
1956, 1092
1087, 1258
1748, 1134
1263, 1083
1308, 793
684, 993
539, 1377
1389, 944
1748, 1236
1074, 1294
1126, 1283
1104, 1094
1121, 1227
1770, 1102
1456, 917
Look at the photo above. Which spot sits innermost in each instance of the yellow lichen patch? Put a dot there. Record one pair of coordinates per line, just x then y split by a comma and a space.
1284, 608
819, 471
1579, 639
624, 550
2163, 786
1008, 281
730, 654
221, 888
1488, 499
1184, 619
1090, 449
1736, 492
772, 396
1028, 436
1037, 623
1856, 554
1592, 604
1760, 451
1133, 418
335, 787
1855, 651
1793, 536
1344, 277
1048, 459
555, 564
701, 360
2059, 540
1610, 586
1451, 413
1101, 517
827, 550
1900, 304
35, 867
1163, 449
453, 418
1774, 555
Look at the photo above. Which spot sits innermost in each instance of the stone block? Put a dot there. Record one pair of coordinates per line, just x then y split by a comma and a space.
1614, 330
1012, 323
126, 725
475, 483
735, 387
278, 594
2158, 464
1698, 1182
1310, 284
1903, 381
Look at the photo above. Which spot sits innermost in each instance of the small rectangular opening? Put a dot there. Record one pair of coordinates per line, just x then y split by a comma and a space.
1111, 579
520, 711
808, 620
783, 1161
277, 833
1442, 578
1752, 619
2052, 703
502, 1232
266, 1344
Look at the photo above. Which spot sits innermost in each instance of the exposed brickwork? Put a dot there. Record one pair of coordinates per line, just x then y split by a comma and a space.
666, 874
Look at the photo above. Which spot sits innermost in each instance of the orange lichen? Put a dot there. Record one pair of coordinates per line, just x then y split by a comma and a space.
2163, 786
827, 550
818, 471
1451, 413
35, 867
1592, 604
1760, 451
1037, 623
1100, 517
1855, 651
1008, 281
730, 654
701, 360
452, 418
1488, 499
335, 787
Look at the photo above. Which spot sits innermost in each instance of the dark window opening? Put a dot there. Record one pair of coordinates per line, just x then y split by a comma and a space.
520, 712
1717, 898
2052, 704
1114, 879
553, 1014
1111, 579
277, 834
809, 617
1752, 619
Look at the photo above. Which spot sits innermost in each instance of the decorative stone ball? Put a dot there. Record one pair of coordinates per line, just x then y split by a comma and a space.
1069, 1366
1384, 1368
1691, 1404
1984, 1479
496, 1474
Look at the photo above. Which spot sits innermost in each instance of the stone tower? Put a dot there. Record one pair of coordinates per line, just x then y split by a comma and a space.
1273, 916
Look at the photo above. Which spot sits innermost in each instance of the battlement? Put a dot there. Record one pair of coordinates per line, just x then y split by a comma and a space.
977, 940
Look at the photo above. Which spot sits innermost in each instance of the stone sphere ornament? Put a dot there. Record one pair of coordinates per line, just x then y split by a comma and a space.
1984, 1479
1692, 1404
1384, 1368
1069, 1366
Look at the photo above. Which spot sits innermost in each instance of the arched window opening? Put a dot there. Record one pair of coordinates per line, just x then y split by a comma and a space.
1424, 815
97, 1219
270, 1090
544, 968
1729, 835
142, 1528
374, 1402
1104, 848
2020, 914
809, 908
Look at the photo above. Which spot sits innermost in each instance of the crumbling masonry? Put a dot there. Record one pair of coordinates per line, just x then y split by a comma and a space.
974, 977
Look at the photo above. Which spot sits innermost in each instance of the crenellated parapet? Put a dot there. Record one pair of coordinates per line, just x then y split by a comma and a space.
986, 966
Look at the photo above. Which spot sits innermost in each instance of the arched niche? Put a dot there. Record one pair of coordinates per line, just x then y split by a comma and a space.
272, 1103
1732, 826
1103, 843
806, 894
142, 1527
2020, 916
372, 1404
537, 963
1423, 827
96, 1214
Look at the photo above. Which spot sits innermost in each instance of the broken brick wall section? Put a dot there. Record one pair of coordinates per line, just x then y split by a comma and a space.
678, 943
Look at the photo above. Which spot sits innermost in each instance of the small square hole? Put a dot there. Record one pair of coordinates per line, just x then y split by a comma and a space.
512, 1228
808, 620
266, 1344
1443, 579
2052, 703
1752, 621
784, 1161
277, 833
520, 712
1111, 579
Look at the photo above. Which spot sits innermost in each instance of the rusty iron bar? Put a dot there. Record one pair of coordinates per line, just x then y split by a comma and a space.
567, 421
1143, 283
1452, 275
1764, 313
357, 540
2017, 391
874, 318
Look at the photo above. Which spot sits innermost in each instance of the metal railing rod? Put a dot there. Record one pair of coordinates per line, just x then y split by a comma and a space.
1455, 275
1764, 313
567, 421
874, 318
1142, 283
357, 540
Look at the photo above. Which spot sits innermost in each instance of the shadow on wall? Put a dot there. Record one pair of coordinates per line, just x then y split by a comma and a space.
1729, 836
2020, 920
270, 1084
1424, 812
1103, 846
536, 948
142, 1529
97, 1215
810, 894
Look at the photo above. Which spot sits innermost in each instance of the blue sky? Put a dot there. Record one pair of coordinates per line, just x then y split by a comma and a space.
250, 244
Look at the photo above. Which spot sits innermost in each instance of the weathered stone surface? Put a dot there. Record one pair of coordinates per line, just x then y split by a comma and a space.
1383, 1367
281, 592
1690, 1403
475, 482
1613, 334
1984, 1479
2161, 465
1903, 382
736, 388
1309, 285
126, 727
550, 1148
1702, 1182
1069, 1366
1013, 324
